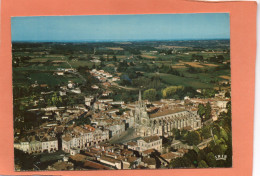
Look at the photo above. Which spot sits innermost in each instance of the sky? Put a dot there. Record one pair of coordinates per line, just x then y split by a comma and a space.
121, 27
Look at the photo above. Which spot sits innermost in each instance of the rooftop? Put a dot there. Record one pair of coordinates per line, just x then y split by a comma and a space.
165, 112
151, 138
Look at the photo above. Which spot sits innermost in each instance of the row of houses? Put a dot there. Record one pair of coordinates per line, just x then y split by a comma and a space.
36, 144
80, 138
103, 76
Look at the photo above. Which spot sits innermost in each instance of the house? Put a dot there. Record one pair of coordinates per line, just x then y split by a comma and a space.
169, 156
60, 73
132, 145
94, 87
115, 79
149, 142
76, 90
62, 93
149, 162
116, 129
49, 144
89, 100
111, 162
95, 166
35, 144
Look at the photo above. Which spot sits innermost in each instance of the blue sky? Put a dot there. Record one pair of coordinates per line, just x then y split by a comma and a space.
121, 27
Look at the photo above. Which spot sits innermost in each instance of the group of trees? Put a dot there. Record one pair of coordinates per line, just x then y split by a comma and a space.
81, 120
208, 93
54, 100
169, 70
197, 57
178, 92
189, 137
217, 59
150, 94
170, 92
204, 111
221, 145
89, 79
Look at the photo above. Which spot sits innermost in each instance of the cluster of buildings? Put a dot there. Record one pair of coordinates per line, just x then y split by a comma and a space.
39, 143
80, 138
103, 76
71, 87
91, 143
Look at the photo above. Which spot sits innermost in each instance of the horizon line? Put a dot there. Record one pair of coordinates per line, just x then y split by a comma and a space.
111, 40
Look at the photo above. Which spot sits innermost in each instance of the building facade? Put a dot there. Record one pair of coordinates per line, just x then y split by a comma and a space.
161, 123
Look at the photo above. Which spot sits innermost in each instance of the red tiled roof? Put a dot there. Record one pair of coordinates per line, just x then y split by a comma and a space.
149, 151
95, 165
169, 155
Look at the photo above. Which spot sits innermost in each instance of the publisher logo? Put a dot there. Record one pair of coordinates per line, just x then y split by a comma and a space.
221, 157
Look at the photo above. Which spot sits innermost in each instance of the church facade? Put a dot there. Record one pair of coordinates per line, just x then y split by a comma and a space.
162, 123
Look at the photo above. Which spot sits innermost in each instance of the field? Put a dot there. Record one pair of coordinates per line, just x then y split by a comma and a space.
39, 64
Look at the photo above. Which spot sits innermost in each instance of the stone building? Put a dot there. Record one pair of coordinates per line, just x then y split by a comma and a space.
36, 144
81, 138
150, 142
162, 122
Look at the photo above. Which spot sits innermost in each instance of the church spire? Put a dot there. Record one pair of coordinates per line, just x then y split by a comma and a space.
140, 96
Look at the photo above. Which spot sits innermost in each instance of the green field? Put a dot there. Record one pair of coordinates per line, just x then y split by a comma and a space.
183, 81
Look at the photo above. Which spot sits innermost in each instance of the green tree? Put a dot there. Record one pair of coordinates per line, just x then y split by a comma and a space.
201, 155
150, 94
207, 111
201, 110
211, 160
192, 156
202, 164
205, 132
182, 162
223, 134
193, 138
169, 92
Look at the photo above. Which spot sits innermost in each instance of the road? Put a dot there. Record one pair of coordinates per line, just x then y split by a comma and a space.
122, 87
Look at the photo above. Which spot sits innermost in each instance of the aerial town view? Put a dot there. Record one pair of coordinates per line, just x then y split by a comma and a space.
109, 92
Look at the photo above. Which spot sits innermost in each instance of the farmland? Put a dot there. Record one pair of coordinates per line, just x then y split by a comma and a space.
139, 65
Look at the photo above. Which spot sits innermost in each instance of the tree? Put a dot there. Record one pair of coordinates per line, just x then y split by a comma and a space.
227, 94
209, 93
93, 66
205, 132
208, 111
211, 160
150, 94
223, 134
169, 92
201, 110
193, 138
192, 156
202, 164
182, 162
201, 155
114, 58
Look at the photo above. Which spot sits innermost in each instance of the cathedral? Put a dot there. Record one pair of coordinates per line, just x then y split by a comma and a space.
161, 123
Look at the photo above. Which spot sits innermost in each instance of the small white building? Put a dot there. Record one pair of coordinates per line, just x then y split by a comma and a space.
89, 100
76, 90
